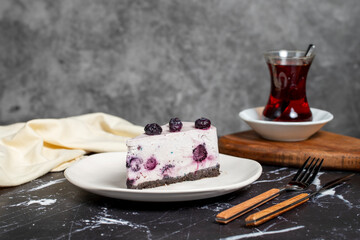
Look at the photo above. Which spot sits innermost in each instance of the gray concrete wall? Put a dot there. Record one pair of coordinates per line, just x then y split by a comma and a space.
147, 61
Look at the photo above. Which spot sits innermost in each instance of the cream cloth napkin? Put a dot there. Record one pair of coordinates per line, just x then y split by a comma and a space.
32, 149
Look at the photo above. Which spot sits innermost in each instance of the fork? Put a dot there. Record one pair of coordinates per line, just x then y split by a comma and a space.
301, 180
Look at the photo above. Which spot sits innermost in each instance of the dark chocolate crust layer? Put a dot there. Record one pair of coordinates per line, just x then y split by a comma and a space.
203, 173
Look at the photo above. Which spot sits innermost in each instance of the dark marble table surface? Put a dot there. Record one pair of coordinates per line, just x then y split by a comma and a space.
52, 208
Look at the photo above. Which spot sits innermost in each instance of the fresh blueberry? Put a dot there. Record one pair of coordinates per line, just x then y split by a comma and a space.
199, 153
175, 125
150, 163
153, 129
202, 123
134, 164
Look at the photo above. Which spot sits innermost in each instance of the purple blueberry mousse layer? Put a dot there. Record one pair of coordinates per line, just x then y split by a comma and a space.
203, 173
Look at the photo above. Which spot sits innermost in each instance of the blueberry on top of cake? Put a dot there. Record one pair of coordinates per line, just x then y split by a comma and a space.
175, 152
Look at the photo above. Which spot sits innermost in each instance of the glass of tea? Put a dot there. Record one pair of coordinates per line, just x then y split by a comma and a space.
288, 72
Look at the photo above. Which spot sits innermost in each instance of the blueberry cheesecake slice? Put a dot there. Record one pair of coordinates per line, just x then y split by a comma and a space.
175, 152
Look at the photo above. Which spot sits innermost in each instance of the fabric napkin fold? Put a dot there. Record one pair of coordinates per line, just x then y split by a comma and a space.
32, 149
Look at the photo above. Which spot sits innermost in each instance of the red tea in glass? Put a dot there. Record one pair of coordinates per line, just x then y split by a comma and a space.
287, 101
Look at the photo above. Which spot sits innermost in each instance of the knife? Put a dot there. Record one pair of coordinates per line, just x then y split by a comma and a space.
274, 211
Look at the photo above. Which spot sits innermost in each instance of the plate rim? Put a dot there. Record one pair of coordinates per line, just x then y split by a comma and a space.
167, 192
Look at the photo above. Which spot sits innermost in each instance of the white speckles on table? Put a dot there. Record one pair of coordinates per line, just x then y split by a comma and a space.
43, 202
262, 233
47, 184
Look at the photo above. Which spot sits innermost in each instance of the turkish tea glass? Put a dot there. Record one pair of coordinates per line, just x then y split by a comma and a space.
287, 101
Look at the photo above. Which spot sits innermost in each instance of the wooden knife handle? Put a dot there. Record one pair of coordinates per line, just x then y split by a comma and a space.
271, 212
244, 207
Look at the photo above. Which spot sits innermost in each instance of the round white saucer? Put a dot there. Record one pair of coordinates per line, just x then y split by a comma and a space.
285, 131
105, 174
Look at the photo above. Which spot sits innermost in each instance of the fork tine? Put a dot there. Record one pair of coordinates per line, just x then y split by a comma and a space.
300, 170
302, 175
316, 170
309, 172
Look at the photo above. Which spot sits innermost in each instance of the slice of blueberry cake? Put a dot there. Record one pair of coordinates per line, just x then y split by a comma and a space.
176, 152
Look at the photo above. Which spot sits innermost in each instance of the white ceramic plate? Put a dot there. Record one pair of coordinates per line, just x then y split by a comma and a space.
285, 131
105, 174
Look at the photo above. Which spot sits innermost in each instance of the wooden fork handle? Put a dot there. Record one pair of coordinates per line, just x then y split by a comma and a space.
244, 207
274, 211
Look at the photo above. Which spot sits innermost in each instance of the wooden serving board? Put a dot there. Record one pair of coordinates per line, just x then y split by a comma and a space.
339, 152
